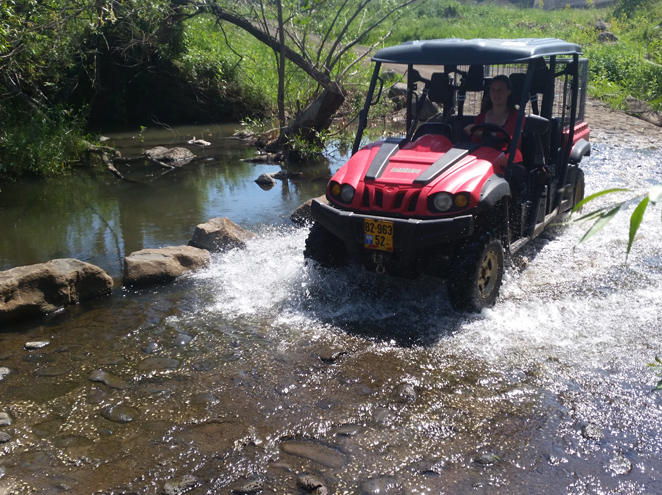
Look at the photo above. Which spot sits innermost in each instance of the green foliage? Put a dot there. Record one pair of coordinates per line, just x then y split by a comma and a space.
306, 150
657, 366
35, 144
617, 71
634, 8
604, 215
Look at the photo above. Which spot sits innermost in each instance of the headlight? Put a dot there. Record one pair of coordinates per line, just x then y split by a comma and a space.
346, 193
443, 201
461, 201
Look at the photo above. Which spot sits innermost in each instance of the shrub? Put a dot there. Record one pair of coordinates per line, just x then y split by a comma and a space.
39, 144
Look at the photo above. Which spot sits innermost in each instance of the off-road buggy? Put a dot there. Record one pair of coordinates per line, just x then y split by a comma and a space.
433, 201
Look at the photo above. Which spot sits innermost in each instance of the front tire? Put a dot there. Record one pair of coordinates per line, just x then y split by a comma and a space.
476, 275
324, 247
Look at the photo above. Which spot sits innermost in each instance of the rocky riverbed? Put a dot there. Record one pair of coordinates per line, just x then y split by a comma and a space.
261, 375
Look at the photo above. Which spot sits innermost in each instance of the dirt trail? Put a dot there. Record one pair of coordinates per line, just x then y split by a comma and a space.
610, 126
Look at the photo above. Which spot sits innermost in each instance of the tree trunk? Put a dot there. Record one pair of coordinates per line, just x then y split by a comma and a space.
316, 117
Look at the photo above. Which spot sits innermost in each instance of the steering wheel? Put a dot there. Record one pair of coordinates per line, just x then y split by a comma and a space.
493, 136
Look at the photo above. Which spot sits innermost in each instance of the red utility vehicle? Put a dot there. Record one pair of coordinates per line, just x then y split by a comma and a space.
435, 202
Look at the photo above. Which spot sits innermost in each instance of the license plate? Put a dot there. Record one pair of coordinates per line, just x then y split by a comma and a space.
378, 234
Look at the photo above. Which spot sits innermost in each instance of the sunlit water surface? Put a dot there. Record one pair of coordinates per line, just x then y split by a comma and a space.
262, 369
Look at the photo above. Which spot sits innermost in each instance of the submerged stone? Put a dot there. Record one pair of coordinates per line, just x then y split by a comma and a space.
177, 487
119, 414
249, 488
158, 363
109, 380
5, 419
316, 452
620, 465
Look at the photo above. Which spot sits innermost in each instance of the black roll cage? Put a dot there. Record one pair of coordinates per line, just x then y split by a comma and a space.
454, 52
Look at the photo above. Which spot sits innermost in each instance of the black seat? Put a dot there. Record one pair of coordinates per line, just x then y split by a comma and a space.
533, 151
436, 128
457, 124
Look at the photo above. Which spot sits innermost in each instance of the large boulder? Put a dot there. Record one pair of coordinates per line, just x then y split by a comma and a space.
175, 157
35, 290
302, 215
219, 234
160, 266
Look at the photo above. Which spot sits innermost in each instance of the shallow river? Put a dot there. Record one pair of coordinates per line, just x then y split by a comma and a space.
248, 375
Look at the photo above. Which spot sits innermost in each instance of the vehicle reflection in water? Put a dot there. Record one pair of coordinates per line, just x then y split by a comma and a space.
261, 369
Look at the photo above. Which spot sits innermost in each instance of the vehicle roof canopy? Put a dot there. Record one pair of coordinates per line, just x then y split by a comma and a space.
456, 51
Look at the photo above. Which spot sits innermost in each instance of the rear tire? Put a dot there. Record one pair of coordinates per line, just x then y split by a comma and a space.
324, 247
476, 275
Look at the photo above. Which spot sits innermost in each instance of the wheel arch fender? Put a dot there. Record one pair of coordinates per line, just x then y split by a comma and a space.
493, 191
580, 149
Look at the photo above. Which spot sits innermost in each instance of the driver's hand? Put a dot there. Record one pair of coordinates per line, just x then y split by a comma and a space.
470, 131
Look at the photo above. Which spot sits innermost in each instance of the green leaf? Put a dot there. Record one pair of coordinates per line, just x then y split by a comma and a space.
635, 222
658, 386
604, 219
597, 195
594, 214
655, 194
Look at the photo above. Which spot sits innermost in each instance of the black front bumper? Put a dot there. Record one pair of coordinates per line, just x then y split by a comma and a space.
410, 235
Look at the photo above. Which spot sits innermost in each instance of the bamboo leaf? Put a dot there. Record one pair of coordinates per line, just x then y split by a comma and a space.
600, 223
597, 195
658, 386
635, 222
655, 194
594, 214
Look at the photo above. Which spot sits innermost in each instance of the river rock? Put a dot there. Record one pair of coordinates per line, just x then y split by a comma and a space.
34, 290
330, 355
266, 180
109, 380
4, 371
406, 392
159, 266
592, 431
620, 465
176, 487
302, 216
119, 413
51, 371
158, 363
36, 344
177, 157
5, 419
4, 437
382, 484
327, 456
219, 234
308, 482
485, 459
249, 488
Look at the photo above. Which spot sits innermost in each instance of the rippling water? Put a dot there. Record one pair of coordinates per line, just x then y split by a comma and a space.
261, 369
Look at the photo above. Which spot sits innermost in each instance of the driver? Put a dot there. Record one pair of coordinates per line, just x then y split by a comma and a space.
499, 110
